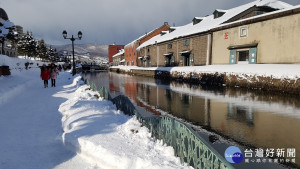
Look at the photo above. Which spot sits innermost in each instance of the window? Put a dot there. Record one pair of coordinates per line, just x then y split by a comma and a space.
218, 13
169, 46
243, 56
148, 50
186, 42
243, 32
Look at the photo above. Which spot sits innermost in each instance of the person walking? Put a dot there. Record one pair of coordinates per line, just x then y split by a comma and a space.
53, 74
45, 75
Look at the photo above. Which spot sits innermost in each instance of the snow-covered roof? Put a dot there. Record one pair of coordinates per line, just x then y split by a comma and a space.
199, 18
209, 22
122, 61
221, 10
274, 4
119, 53
258, 16
141, 37
186, 51
151, 41
168, 54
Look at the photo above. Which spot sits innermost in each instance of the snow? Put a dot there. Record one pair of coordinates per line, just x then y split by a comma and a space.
4, 29
199, 18
274, 4
7, 24
167, 54
30, 123
262, 15
221, 10
150, 41
67, 127
121, 52
278, 71
131, 44
109, 138
209, 22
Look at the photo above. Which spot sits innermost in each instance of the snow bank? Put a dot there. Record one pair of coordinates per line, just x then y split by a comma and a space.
108, 138
17, 64
279, 71
20, 78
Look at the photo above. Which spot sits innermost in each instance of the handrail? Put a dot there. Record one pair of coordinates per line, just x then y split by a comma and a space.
188, 144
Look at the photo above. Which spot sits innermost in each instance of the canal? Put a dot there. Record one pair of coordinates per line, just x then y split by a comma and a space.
252, 119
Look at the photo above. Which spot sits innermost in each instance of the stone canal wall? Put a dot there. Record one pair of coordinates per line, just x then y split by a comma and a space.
242, 80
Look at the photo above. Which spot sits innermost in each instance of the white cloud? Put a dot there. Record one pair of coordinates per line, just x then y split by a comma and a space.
107, 21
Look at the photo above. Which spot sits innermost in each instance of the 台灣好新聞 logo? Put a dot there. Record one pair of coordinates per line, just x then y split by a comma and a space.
233, 155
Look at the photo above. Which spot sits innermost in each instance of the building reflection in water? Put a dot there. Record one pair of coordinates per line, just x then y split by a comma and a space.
243, 116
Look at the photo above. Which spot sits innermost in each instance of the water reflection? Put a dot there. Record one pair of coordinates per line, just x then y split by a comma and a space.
240, 114
253, 118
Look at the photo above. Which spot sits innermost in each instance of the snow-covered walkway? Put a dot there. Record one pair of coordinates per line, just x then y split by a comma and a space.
67, 127
30, 124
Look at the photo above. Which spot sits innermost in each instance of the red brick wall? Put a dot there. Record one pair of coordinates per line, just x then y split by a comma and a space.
112, 50
165, 27
130, 54
130, 49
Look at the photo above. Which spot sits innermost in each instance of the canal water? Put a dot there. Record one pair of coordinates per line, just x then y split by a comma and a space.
252, 119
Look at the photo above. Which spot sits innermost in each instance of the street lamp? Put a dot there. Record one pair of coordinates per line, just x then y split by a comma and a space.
65, 34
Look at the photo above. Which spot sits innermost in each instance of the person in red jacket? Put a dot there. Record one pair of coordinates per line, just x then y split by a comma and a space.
45, 75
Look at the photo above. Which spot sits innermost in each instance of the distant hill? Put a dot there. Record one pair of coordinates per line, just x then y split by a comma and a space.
93, 51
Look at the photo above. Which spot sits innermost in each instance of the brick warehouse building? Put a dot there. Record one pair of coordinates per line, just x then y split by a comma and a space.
196, 43
112, 50
130, 49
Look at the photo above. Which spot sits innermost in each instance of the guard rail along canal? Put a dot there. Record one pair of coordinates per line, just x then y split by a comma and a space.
187, 144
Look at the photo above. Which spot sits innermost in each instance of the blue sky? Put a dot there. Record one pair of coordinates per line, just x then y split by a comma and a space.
107, 21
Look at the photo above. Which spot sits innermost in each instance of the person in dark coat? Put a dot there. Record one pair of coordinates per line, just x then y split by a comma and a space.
45, 75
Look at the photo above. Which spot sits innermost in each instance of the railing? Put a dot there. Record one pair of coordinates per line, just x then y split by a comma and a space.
188, 145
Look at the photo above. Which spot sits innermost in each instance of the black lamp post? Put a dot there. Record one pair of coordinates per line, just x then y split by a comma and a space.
73, 39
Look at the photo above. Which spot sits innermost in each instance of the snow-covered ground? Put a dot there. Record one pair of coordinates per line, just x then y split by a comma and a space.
68, 127
107, 137
278, 71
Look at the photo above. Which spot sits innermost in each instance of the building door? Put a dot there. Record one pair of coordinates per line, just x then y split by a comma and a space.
186, 59
168, 60
172, 61
232, 57
252, 55
148, 62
